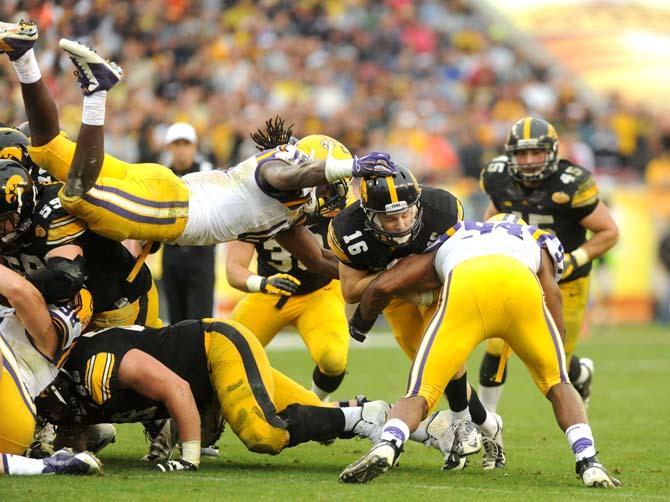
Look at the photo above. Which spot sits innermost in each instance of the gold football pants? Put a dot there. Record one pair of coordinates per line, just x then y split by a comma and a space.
128, 201
17, 411
318, 316
575, 296
246, 386
485, 297
408, 322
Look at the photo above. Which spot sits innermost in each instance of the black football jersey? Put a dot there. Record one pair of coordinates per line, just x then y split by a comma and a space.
274, 259
93, 363
108, 262
559, 204
356, 246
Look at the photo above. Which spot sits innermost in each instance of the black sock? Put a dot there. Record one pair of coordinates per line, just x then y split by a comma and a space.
477, 410
457, 393
489, 369
575, 368
326, 382
312, 423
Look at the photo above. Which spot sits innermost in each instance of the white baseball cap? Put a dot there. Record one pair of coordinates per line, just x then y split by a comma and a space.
180, 130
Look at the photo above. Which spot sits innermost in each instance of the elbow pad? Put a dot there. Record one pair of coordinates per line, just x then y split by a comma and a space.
61, 279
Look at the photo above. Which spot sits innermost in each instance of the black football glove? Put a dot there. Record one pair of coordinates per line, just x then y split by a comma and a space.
175, 465
359, 327
280, 284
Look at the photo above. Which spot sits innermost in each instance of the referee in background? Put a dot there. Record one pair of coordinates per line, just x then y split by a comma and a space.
188, 271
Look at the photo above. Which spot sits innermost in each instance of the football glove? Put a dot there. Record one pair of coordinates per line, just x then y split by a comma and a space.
280, 284
175, 465
569, 265
359, 327
372, 165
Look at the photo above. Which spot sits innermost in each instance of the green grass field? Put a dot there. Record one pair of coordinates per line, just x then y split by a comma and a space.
628, 415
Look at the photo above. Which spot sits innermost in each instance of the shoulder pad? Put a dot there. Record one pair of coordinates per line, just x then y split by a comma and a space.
71, 319
496, 167
578, 185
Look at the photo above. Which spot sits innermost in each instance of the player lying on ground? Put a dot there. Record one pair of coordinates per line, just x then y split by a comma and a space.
396, 217
496, 278
259, 198
30, 339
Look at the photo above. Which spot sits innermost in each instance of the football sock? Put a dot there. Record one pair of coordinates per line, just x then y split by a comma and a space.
312, 423
395, 430
580, 439
489, 396
320, 393
94, 109
457, 393
16, 465
477, 410
352, 416
27, 69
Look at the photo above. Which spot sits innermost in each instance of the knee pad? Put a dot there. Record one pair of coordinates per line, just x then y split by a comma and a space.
326, 382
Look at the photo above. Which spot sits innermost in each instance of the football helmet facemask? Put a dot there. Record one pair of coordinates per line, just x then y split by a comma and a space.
392, 196
531, 133
17, 203
328, 200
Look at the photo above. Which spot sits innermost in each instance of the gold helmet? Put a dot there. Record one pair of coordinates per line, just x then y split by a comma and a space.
506, 217
317, 146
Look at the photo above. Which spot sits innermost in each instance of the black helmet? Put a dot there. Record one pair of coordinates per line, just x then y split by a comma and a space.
388, 195
14, 145
532, 134
17, 201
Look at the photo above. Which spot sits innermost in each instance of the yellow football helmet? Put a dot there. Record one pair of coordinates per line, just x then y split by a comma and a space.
508, 217
316, 146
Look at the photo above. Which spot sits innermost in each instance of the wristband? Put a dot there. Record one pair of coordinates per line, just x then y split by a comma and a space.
190, 451
254, 283
336, 169
581, 256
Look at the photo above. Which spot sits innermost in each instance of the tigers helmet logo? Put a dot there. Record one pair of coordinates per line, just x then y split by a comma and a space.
13, 189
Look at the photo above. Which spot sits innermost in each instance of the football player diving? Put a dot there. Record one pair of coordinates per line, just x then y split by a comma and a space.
496, 279
396, 217
284, 292
32, 336
262, 197
556, 195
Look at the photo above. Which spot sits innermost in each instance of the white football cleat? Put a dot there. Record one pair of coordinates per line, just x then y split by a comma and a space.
494, 451
377, 461
441, 437
99, 436
17, 38
94, 73
65, 461
373, 417
594, 474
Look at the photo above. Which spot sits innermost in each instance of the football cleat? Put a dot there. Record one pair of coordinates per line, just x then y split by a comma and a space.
17, 38
594, 474
441, 437
467, 439
94, 73
163, 437
65, 461
584, 388
373, 418
378, 460
175, 465
210, 451
99, 436
43, 442
494, 451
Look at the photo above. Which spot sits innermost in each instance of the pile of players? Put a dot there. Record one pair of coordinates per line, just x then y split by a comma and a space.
82, 346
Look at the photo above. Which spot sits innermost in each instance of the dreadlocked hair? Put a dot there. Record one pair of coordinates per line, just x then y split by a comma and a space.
273, 135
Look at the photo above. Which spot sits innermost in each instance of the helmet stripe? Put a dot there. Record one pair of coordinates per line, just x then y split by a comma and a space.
392, 190
527, 122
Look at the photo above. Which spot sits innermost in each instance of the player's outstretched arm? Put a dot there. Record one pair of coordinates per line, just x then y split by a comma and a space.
302, 244
289, 177
31, 309
147, 376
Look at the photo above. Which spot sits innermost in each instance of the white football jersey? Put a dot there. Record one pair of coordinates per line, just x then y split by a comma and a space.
470, 239
230, 205
37, 370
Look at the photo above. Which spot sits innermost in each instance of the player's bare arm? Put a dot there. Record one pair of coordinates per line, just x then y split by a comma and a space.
302, 244
31, 309
413, 273
354, 282
238, 258
147, 376
605, 231
552, 293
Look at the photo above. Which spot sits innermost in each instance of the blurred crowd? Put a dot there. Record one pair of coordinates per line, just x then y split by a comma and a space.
434, 82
